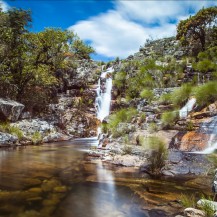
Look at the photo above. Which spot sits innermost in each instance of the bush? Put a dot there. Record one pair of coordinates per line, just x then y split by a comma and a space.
189, 126
188, 200
152, 127
36, 137
206, 94
169, 119
6, 128
207, 206
165, 98
121, 116
147, 94
179, 96
15, 131
158, 156
127, 149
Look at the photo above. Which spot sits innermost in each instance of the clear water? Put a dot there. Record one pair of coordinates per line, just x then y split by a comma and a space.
58, 180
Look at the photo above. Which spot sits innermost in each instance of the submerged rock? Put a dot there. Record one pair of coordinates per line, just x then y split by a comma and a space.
10, 110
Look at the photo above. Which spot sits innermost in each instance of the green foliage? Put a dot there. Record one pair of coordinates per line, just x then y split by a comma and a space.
204, 66
207, 206
140, 140
206, 93
36, 137
194, 30
15, 131
179, 96
165, 98
7, 128
147, 94
188, 200
152, 127
121, 116
169, 119
33, 64
158, 156
189, 126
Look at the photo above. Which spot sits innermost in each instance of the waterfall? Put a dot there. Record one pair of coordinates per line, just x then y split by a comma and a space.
211, 129
103, 91
183, 112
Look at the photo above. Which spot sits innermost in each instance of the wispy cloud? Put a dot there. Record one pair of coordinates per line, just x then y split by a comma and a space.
4, 5
120, 32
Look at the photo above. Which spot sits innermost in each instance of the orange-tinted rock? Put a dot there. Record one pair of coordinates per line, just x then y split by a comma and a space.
194, 141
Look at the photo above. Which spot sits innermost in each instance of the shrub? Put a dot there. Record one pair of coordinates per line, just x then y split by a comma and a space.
140, 140
179, 96
189, 126
158, 156
142, 116
36, 137
147, 94
15, 131
165, 98
121, 116
168, 119
5, 127
188, 200
207, 206
204, 65
206, 94
152, 127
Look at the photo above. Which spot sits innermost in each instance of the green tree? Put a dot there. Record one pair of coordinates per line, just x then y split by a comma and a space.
195, 29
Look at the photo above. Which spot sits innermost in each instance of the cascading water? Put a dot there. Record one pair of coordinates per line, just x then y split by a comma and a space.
211, 129
183, 112
104, 89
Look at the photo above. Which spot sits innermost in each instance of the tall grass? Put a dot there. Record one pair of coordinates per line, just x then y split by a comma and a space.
158, 156
7, 128
168, 119
188, 200
179, 96
206, 94
121, 116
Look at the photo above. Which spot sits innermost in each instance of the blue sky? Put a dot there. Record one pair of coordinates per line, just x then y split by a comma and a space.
113, 28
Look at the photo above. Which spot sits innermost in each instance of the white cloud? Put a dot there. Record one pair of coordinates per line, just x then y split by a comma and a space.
4, 5
120, 32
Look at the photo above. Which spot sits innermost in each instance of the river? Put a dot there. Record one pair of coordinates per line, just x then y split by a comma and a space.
57, 180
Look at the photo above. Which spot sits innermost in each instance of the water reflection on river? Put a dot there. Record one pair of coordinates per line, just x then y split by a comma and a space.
56, 180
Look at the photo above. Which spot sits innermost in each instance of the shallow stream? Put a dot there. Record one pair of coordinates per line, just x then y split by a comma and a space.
57, 180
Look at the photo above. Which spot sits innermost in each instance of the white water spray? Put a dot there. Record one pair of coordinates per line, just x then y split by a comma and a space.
104, 89
211, 129
183, 112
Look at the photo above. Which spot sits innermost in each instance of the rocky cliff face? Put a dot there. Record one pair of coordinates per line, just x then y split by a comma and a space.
73, 115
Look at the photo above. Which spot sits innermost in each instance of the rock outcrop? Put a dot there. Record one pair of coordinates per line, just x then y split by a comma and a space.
10, 110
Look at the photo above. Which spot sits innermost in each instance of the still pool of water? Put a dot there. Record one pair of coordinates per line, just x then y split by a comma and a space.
56, 180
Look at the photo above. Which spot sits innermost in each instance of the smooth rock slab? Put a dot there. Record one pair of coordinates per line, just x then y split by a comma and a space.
10, 110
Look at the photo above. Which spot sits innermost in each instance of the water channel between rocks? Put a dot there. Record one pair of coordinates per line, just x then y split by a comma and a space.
56, 180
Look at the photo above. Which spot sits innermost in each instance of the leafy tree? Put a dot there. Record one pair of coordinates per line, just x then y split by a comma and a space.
32, 64
195, 29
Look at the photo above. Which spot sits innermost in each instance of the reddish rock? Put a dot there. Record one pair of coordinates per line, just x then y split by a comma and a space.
194, 141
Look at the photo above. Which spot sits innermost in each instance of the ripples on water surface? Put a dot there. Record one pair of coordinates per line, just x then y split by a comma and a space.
56, 180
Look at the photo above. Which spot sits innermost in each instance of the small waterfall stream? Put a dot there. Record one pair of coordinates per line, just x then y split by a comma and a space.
104, 89
183, 112
211, 129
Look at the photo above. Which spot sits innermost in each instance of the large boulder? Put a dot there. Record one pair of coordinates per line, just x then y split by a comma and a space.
10, 110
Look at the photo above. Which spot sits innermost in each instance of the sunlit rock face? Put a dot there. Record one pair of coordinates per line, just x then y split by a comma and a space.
10, 110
